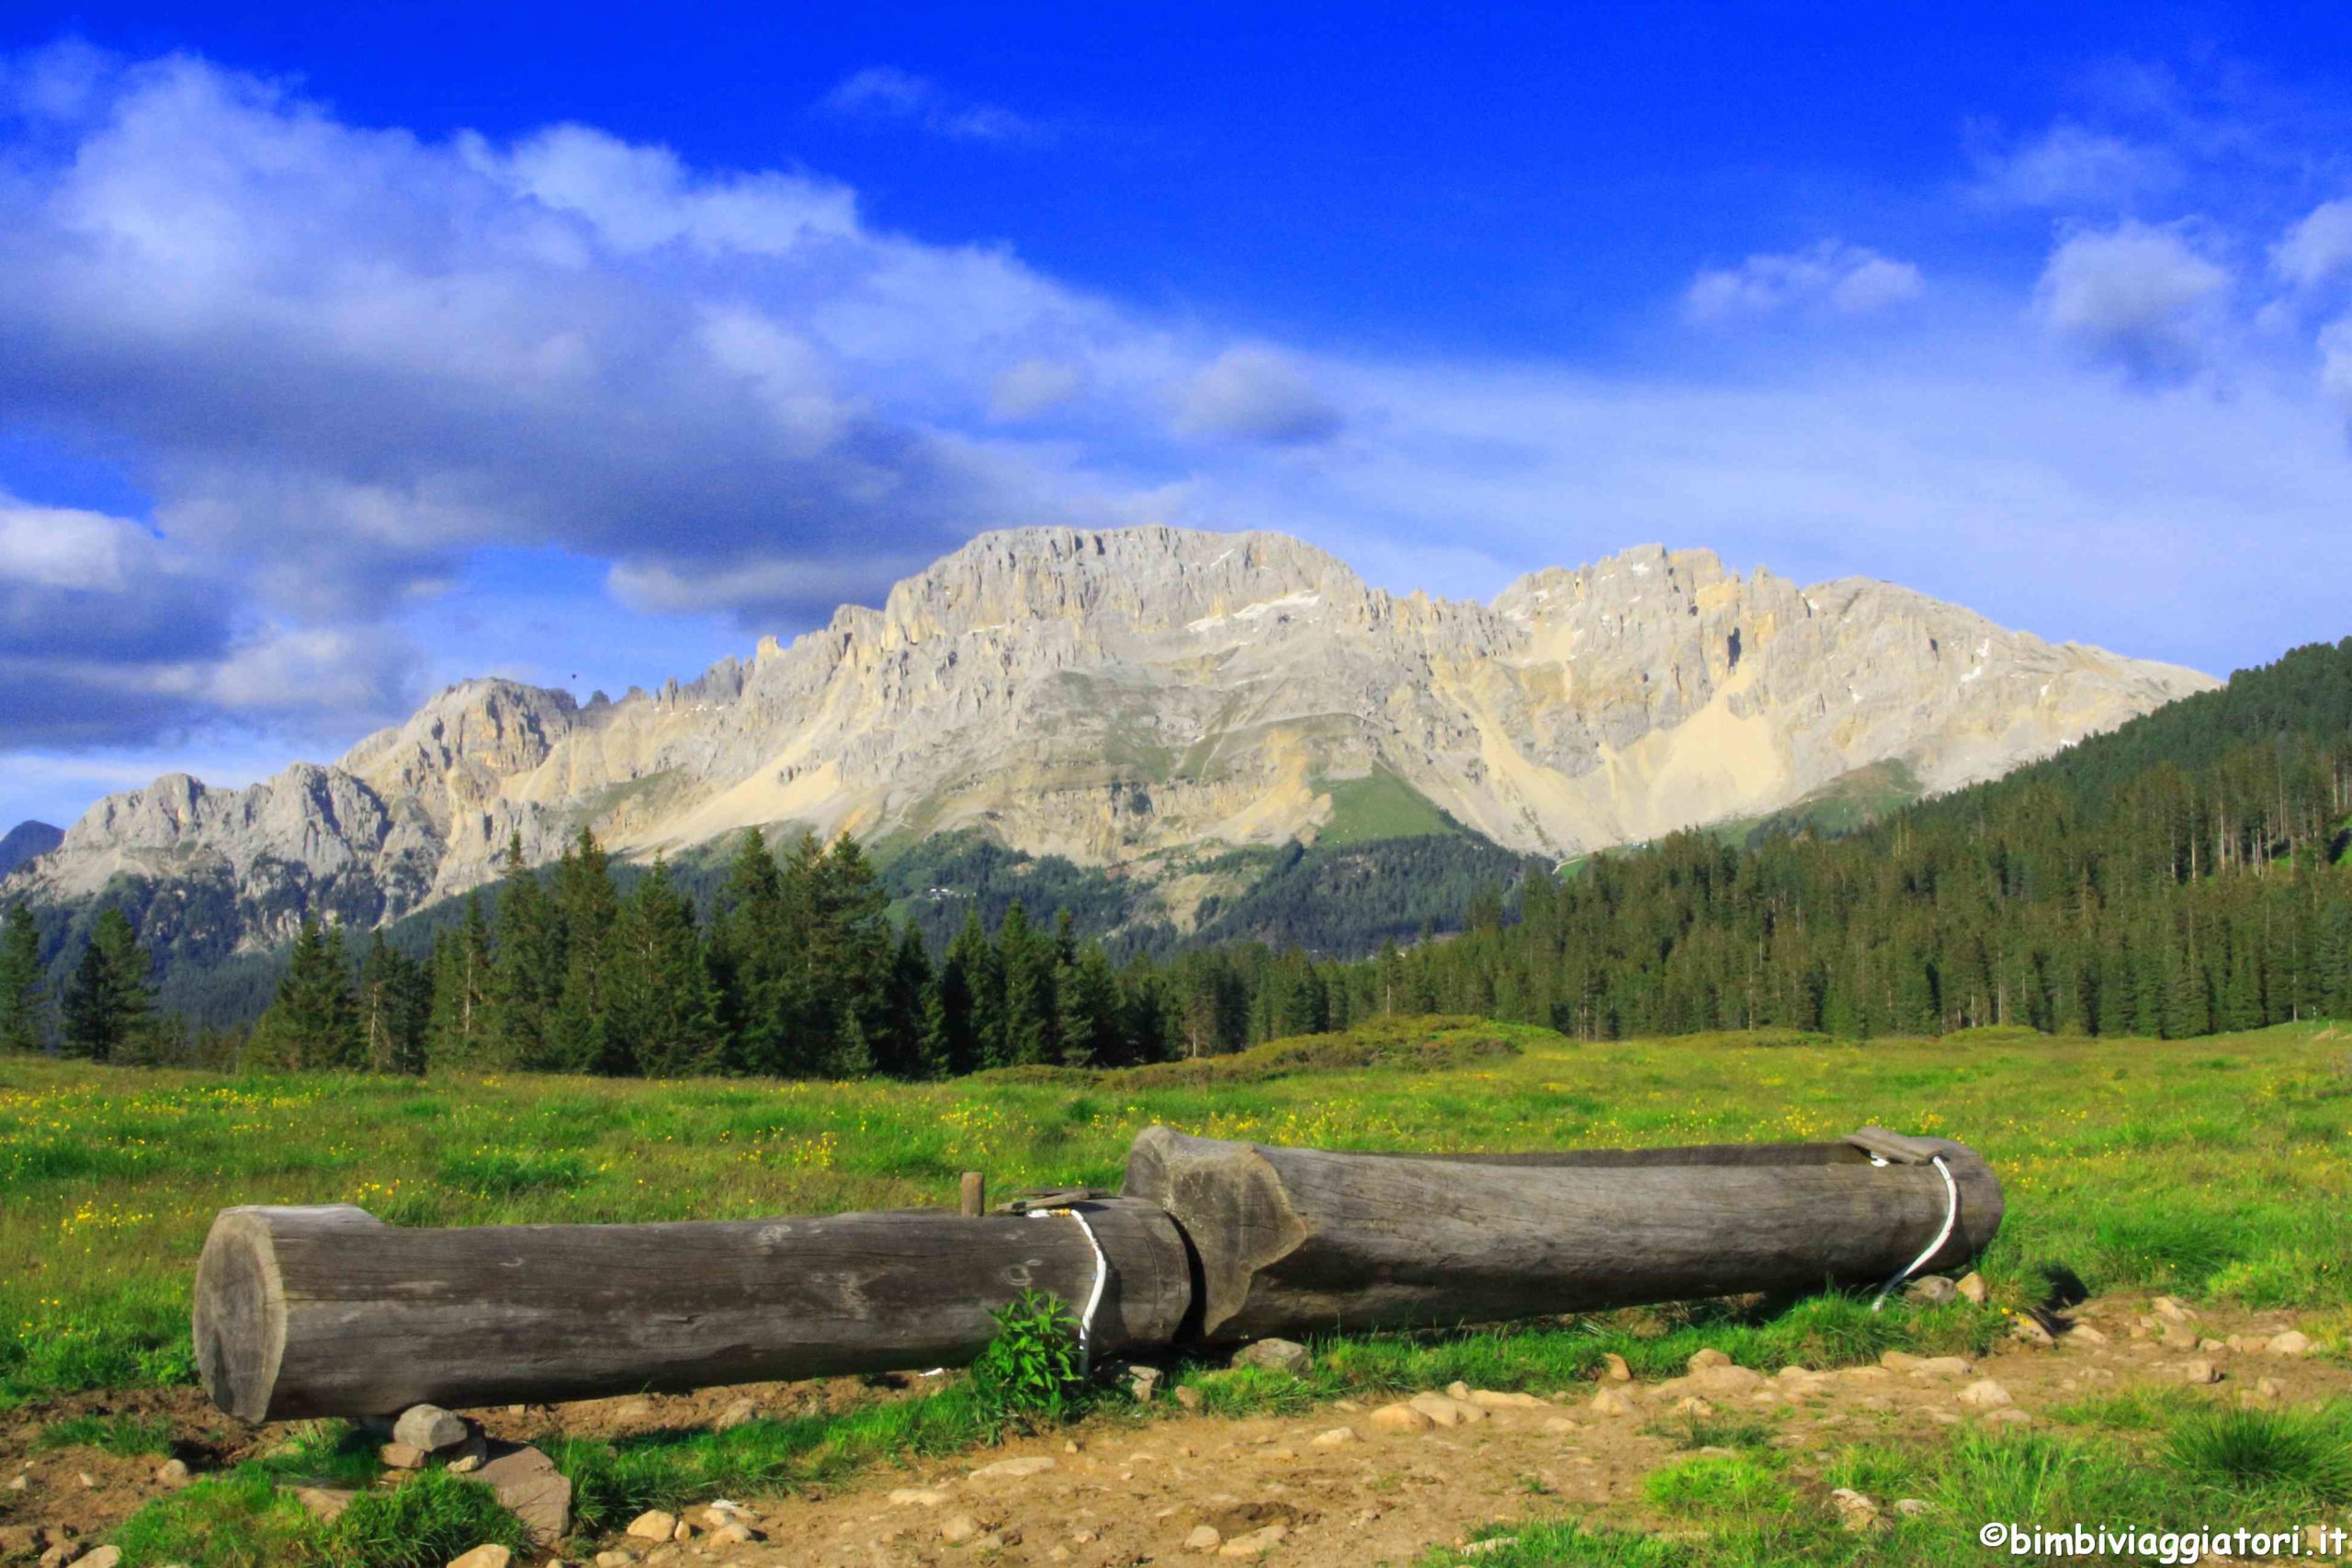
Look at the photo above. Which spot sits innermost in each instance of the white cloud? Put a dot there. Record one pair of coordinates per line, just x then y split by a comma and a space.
2336, 362
1256, 392
884, 92
2073, 166
50, 546
1033, 386
2142, 297
1833, 275
2317, 248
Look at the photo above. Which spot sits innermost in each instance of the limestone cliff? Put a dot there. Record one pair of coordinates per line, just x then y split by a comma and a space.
1126, 697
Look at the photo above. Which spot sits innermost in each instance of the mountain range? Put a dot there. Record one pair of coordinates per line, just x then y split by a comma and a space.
1145, 700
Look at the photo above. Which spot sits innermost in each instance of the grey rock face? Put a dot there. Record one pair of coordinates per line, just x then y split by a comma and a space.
1123, 698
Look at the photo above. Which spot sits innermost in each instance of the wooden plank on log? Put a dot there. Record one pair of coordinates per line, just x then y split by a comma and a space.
318, 1312
1302, 1240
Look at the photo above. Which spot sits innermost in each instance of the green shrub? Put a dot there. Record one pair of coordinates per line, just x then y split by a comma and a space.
1028, 1376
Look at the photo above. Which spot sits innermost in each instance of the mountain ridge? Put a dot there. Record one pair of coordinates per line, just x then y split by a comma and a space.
1132, 698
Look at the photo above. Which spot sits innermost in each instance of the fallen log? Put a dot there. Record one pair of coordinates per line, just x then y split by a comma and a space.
329, 1312
1301, 1240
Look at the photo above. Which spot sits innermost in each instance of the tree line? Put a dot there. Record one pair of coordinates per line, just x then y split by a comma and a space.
2182, 876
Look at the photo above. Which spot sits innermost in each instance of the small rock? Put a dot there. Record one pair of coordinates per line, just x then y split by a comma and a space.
1445, 1410
1618, 1371
110, 1557
464, 1464
1912, 1507
1612, 1401
172, 1473
1256, 1543
2269, 1388
740, 1413
1400, 1418
487, 1555
1338, 1437
1942, 1366
1855, 1511
2030, 1331
2083, 1333
1276, 1356
529, 1486
1560, 1426
1491, 1544
2294, 1342
1205, 1538
1691, 1404
2172, 1309
2179, 1336
2007, 1415
401, 1456
430, 1427
1499, 1399
1189, 1397
1702, 1359
916, 1497
18, 1482
1931, 1290
735, 1532
1015, 1468
88, 1483
326, 1503
2201, 1373
1143, 1383
1985, 1394
1898, 1361
1725, 1379
1973, 1288
956, 1529
652, 1525
615, 1560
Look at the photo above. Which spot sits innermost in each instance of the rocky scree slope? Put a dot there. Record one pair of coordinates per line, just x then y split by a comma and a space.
1127, 698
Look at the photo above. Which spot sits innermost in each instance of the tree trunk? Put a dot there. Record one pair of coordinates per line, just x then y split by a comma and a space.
1299, 1240
330, 1312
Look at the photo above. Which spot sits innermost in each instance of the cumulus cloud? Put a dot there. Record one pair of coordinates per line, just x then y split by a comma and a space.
2137, 295
1847, 279
1256, 393
2317, 248
887, 93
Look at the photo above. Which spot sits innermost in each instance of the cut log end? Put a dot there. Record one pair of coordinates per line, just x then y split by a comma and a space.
239, 1317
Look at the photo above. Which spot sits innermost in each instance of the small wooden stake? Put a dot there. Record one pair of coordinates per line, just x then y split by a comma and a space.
975, 1194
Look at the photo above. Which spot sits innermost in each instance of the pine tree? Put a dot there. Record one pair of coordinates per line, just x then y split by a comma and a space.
760, 1007
1088, 993
587, 905
314, 1021
463, 969
662, 1006
395, 1007
24, 984
108, 1011
849, 952
527, 970
900, 1048
1026, 959
960, 1010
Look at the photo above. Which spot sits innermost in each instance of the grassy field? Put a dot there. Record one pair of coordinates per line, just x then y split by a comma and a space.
2216, 1169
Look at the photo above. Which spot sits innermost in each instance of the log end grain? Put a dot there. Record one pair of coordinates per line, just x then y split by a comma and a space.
239, 1317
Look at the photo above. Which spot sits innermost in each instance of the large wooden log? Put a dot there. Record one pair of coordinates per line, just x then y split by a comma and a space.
329, 1312
1301, 1240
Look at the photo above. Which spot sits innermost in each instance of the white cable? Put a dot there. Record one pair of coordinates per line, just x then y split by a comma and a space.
1094, 1296
1952, 1218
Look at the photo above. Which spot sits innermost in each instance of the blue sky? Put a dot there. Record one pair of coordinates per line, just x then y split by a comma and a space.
342, 355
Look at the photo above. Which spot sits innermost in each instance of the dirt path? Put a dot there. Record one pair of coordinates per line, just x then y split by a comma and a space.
1335, 1488
1111, 1495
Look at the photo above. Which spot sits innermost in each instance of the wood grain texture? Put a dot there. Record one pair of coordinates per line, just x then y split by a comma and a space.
1293, 1241
304, 1312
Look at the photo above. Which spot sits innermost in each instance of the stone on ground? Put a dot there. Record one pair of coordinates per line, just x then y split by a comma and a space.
1973, 1288
2294, 1342
1931, 1290
529, 1486
488, 1555
1400, 1418
1445, 1410
1015, 1468
1276, 1356
959, 1527
1855, 1511
2201, 1373
1338, 1437
1985, 1394
172, 1473
1613, 1402
654, 1524
1205, 1538
430, 1427
1702, 1359
1256, 1543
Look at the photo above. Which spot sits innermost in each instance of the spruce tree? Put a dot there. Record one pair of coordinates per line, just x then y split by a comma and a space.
663, 1007
960, 1006
899, 1047
750, 929
586, 904
314, 1021
1087, 994
527, 970
463, 972
395, 1006
24, 984
108, 1011
849, 952
1026, 960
